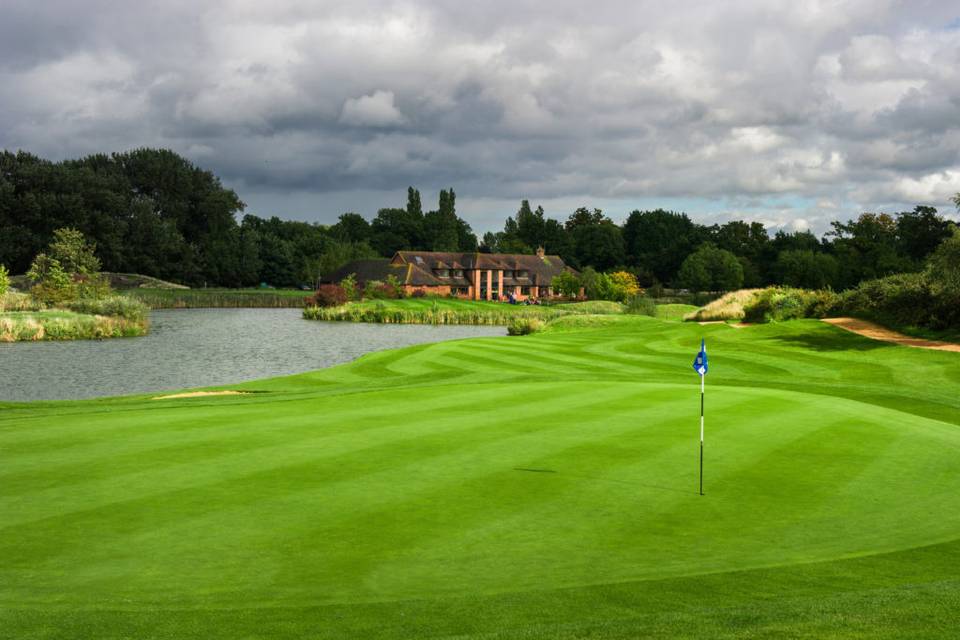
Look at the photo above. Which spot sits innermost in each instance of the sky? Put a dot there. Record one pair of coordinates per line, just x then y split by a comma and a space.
788, 113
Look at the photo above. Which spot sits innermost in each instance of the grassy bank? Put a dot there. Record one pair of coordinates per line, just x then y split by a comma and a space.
533, 487
451, 311
219, 298
67, 325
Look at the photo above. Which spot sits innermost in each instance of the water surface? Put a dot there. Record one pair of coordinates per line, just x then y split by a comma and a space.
201, 347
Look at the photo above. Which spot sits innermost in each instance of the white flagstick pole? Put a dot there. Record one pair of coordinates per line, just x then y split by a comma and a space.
702, 377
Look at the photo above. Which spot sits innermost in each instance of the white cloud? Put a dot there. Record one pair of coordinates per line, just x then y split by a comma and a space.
374, 110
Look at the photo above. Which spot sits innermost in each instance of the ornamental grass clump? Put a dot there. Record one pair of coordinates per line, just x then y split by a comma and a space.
728, 307
524, 326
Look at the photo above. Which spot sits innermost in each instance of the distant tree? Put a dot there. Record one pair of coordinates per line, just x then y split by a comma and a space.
583, 217
920, 232
598, 245
805, 269
866, 248
711, 269
623, 286
351, 227
659, 241
943, 268
442, 227
566, 283
53, 285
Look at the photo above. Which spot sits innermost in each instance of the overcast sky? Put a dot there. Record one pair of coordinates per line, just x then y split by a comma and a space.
791, 113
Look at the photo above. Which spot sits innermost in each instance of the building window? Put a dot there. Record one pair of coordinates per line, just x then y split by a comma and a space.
458, 273
524, 291
442, 273
522, 274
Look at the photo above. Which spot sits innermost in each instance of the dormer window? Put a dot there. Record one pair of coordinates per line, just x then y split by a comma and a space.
442, 273
508, 274
458, 273
523, 274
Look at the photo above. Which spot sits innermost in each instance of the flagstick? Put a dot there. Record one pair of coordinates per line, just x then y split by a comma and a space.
702, 377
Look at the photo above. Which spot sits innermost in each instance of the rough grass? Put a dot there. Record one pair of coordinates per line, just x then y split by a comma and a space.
219, 298
674, 312
452, 311
728, 307
542, 487
66, 325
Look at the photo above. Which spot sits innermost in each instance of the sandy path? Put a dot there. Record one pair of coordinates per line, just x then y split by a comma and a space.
875, 331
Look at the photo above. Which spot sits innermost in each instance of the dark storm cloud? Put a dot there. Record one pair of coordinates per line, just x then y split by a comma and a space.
790, 113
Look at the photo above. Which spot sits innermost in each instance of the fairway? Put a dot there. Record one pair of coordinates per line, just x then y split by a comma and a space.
535, 487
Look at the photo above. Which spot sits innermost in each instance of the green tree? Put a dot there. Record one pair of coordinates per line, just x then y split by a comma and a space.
943, 268
73, 252
920, 232
566, 283
53, 285
349, 285
352, 227
598, 245
806, 269
711, 269
659, 241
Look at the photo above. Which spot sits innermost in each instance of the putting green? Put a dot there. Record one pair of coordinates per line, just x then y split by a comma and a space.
541, 483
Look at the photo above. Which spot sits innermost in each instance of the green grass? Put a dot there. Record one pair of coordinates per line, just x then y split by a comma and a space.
218, 298
674, 312
526, 487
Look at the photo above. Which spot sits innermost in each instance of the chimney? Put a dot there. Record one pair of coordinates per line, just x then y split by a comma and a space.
540, 251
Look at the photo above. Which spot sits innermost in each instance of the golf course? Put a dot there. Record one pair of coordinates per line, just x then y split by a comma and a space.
543, 486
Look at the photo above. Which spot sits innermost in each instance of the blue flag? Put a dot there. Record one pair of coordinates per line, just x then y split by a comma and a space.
700, 362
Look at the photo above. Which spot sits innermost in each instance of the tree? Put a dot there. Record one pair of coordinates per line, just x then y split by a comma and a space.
805, 269
53, 285
598, 245
711, 269
4, 280
866, 248
583, 217
943, 268
659, 241
566, 283
442, 227
623, 286
72, 251
352, 227
920, 232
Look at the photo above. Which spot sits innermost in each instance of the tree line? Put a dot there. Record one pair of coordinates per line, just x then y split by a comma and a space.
153, 212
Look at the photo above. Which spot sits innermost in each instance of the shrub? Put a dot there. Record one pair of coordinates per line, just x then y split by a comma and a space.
378, 290
905, 299
349, 285
396, 288
54, 285
623, 286
784, 303
328, 295
641, 305
521, 326
418, 293
4, 280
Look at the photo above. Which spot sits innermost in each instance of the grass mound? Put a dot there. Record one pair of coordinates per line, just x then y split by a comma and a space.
727, 307
501, 488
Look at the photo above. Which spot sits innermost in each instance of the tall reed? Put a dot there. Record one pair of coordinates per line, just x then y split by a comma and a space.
218, 298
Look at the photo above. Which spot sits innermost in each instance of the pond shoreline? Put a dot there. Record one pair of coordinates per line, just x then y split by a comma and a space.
192, 348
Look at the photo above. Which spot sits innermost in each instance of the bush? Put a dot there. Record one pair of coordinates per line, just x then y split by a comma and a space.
524, 326
328, 295
641, 305
349, 285
777, 304
566, 283
905, 299
418, 293
4, 280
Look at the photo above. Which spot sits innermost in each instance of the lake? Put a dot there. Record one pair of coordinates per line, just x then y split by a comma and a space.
199, 348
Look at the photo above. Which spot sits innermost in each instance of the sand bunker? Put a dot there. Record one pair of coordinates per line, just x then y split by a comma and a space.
200, 394
875, 331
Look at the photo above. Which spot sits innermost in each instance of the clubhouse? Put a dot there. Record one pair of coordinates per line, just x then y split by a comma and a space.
472, 276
